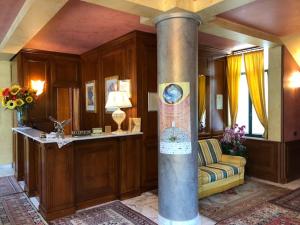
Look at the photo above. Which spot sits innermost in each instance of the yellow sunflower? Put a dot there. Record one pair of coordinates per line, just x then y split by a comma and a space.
15, 89
11, 104
3, 102
19, 102
29, 99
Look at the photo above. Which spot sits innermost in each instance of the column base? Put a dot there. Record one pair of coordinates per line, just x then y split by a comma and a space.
165, 221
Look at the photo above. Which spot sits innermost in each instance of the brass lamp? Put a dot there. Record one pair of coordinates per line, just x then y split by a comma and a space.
118, 100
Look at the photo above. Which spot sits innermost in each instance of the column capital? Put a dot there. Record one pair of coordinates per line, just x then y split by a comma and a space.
186, 15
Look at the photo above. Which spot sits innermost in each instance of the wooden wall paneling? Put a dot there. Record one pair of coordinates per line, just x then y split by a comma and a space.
37, 67
65, 71
263, 161
218, 117
56, 69
96, 172
291, 96
57, 197
147, 82
131, 73
204, 69
130, 151
112, 63
64, 101
292, 151
76, 99
16, 70
90, 71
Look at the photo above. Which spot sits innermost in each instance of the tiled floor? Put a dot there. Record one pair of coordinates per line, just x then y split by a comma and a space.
147, 204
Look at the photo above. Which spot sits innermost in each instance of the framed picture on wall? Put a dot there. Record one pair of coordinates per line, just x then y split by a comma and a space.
90, 96
111, 84
125, 85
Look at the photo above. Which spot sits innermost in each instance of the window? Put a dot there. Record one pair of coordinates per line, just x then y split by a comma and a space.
246, 112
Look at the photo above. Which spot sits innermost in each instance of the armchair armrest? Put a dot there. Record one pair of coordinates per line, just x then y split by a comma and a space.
236, 160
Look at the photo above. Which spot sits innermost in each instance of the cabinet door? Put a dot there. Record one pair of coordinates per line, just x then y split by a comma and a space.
130, 166
36, 67
96, 171
65, 72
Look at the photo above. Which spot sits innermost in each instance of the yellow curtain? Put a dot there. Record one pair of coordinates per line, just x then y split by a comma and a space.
254, 65
234, 64
201, 96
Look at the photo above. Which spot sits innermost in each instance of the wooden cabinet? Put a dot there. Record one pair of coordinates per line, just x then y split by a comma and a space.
56, 181
96, 171
82, 173
57, 70
18, 156
130, 166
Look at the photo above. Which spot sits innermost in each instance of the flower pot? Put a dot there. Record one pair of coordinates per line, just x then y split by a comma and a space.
22, 118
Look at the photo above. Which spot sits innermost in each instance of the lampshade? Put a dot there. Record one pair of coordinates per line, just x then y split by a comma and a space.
38, 86
118, 99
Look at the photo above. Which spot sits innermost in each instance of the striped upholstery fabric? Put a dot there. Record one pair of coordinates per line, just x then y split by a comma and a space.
216, 171
209, 152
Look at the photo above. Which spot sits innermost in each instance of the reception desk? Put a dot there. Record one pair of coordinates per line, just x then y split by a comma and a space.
84, 172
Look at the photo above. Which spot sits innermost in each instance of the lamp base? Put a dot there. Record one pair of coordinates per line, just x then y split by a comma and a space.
119, 116
119, 132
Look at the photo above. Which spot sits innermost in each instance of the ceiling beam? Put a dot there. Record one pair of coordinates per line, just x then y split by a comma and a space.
242, 29
209, 13
32, 17
149, 10
219, 31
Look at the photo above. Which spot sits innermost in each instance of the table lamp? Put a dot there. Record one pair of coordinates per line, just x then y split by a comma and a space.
118, 99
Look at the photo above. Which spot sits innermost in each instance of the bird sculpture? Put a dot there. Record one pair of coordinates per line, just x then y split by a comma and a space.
59, 126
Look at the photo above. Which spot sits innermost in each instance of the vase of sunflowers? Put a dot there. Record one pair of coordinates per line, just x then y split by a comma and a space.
18, 99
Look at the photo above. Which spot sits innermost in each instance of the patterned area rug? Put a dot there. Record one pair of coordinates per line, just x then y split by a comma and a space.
266, 214
9, 186
230, 203
114, 213
17, 210
289, 201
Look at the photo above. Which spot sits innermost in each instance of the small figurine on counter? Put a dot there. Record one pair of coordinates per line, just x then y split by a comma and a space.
59, 126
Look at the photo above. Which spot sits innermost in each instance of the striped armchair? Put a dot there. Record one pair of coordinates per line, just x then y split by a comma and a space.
217, 172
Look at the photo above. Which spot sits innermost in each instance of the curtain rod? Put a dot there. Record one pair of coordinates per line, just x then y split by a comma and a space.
246, 50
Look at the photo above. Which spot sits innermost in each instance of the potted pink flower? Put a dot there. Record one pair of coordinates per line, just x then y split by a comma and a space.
232, 141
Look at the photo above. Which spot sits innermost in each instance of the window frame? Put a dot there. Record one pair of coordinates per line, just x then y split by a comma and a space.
250, 111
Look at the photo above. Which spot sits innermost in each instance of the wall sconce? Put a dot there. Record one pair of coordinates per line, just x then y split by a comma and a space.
38, 86
295, 80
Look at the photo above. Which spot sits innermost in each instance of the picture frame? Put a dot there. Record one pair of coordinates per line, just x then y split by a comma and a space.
125, 85
90, 96
111, 84
152, 102
134, 125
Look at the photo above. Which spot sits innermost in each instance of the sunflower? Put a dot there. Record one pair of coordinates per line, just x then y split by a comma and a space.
19, 102
3, 102
15, 89
11, 104
29, 99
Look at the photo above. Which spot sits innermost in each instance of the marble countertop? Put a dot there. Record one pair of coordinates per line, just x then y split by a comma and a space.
35, 135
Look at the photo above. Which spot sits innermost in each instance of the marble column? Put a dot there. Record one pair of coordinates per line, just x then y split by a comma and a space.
177, 38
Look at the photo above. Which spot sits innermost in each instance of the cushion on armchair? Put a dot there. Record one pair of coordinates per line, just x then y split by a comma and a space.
217, 171
210, 152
